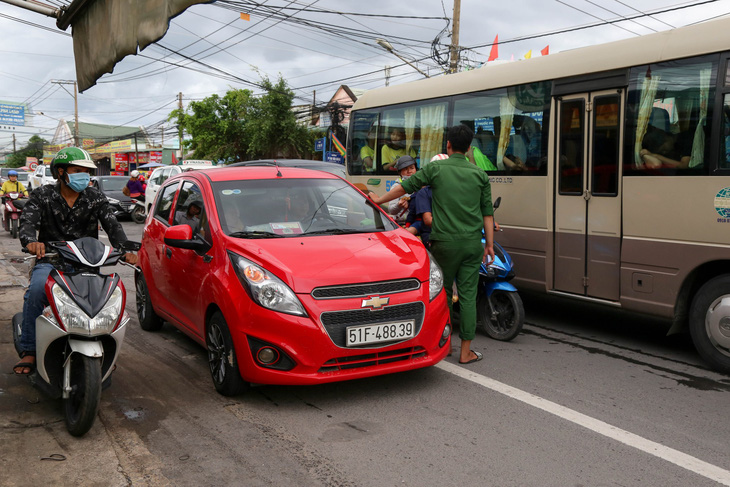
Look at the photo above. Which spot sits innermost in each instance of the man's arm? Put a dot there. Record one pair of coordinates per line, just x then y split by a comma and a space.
395, 192
489, 237
30, 222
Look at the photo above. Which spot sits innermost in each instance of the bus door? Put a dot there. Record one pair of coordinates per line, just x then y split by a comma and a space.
587, 236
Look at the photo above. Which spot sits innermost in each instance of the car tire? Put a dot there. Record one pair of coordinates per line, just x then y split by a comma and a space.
222, 359
148, 319
709, 322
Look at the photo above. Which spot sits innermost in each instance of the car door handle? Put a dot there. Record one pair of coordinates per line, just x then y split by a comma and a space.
168, 252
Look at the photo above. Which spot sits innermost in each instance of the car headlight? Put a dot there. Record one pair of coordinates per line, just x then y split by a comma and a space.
74, 318
113, 201
435, 278
266, 289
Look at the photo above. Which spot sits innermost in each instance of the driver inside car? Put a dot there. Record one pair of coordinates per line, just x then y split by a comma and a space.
68, 210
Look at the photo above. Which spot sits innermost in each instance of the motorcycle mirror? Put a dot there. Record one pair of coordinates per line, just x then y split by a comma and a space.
496, 203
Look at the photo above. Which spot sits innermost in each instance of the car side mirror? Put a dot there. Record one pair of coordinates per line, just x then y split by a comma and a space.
181, 237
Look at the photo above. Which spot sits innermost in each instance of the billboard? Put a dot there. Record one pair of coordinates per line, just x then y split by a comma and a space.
12, 113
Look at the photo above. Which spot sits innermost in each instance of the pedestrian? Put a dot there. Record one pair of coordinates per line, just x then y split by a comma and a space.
406, 167
462, 207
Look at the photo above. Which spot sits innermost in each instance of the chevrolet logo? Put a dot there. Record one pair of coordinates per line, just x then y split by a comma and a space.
375, 303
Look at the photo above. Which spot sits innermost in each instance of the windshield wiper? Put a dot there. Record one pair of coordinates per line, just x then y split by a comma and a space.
255, 234
339, 231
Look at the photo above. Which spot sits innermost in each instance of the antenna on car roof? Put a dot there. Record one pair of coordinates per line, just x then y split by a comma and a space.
278, 173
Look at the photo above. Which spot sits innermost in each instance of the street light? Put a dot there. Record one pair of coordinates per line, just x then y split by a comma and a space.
388, 47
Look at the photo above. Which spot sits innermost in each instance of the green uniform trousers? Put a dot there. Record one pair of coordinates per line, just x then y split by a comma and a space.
460, 260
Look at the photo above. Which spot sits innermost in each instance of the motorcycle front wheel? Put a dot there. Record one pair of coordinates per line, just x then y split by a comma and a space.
508, 317
83, 403
138, 215
13, 228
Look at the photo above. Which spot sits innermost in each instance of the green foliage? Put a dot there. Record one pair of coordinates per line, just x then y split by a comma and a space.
33, 149
240, 126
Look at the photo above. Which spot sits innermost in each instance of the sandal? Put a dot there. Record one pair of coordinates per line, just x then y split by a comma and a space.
479, 356
19, 368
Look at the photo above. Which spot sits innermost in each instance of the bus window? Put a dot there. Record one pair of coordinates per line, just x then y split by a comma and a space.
604, 171
362, 158
725, 139
510, 128
669, 117
571, 148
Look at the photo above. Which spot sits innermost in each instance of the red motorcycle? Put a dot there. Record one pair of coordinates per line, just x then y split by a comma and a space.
11, 213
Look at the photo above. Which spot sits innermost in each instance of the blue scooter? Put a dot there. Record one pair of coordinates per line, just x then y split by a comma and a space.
500, 312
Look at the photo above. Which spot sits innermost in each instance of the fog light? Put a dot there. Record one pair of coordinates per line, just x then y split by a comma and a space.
445, 335
267, 355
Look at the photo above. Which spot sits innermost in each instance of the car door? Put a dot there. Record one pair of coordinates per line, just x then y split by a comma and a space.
187, 270
153, 243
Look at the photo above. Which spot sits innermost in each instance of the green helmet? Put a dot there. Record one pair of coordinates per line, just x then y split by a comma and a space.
71, 156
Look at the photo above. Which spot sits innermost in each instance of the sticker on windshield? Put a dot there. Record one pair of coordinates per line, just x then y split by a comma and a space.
236, 191
227, 192
286, 228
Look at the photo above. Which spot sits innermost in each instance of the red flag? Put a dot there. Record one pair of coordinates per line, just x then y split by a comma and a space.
545, 51
493, 53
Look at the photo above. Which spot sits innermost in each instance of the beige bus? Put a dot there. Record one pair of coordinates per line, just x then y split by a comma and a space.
612, 161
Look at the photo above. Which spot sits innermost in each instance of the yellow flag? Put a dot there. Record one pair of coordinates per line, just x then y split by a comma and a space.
529, 54
245, 16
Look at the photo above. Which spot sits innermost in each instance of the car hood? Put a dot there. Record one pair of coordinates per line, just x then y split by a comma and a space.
305, 263
117, 195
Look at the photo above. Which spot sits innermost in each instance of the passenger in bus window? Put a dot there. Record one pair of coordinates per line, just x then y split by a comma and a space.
367, 153
661, 149
394, 148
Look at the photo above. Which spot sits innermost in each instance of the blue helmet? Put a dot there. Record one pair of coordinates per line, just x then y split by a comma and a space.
12, 173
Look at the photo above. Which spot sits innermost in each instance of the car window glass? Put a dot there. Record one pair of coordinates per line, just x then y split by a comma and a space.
295, 206
190, 210
164, 203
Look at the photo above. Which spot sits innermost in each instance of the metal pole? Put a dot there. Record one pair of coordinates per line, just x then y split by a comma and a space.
455, 39
179, 127
136, 154
35, 7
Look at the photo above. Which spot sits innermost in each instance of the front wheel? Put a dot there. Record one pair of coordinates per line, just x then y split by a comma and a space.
83, 402
504, 319
222, 357
148, 319
138, 215
709, 323
14, 228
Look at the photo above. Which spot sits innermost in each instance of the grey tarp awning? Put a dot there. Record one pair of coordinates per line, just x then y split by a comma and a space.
105, 31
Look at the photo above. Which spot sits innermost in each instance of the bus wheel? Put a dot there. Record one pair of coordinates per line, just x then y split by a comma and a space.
709, 322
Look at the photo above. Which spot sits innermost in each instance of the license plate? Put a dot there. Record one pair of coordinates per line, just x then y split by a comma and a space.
382, 332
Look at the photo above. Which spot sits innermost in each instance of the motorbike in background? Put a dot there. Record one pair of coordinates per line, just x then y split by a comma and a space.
11, 213
80, 333
500, 311
137, 211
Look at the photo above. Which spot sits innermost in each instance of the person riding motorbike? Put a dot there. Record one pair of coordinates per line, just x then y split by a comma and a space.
68, 210
12, 185
134, 188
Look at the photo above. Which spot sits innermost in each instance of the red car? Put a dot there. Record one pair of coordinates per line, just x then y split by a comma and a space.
288, 276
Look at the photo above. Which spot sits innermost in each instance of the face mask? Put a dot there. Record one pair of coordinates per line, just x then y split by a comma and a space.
79, 181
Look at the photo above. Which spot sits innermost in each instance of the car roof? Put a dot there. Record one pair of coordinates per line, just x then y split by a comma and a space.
258, 172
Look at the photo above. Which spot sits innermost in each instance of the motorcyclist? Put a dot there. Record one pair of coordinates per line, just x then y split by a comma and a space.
68, 210
12, 185
134, 188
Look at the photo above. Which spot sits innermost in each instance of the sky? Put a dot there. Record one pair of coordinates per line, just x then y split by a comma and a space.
322, 45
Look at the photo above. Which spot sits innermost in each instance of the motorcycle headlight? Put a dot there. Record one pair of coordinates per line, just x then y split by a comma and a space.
266, 289
435, 278
112, 201
74, 318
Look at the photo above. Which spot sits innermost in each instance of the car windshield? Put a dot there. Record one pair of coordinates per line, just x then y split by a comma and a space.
113, 184
295, 207
48, 171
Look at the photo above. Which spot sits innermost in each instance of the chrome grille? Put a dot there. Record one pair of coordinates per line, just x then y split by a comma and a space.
336, 322
366, 289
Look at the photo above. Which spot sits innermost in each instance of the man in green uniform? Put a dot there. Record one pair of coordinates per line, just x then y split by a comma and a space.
462, 206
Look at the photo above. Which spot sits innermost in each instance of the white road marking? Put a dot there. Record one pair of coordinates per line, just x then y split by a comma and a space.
658, 450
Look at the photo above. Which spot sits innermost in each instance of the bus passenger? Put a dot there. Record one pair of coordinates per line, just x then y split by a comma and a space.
395, 148
367, 152
659, 150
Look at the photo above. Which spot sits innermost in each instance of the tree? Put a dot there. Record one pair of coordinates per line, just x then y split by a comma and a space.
240, 126
33, 149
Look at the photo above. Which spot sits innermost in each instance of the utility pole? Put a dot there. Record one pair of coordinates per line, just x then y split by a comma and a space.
455, 38
76, 106
387, 75
13, 143
314, 102
76, 116
179, 126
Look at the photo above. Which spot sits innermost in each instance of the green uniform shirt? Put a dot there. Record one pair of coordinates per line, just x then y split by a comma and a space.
462, 197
